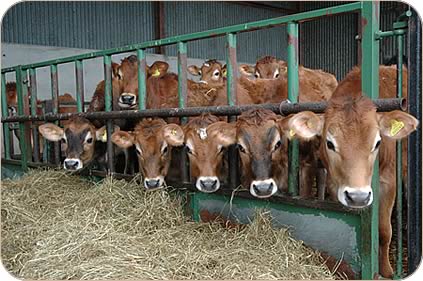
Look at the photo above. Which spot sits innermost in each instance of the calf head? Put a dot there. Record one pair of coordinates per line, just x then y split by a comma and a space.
267, 67
153, 140
211, 72
78, 137
127, 73
352, 134
206, 149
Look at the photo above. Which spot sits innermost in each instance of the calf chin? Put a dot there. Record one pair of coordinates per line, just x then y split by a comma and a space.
263, 188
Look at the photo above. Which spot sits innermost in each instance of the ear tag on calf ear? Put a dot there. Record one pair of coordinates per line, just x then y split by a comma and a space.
291, 133
310, 124
156, 73
224, 73
104, 136
173, 132
396, 126
202, 132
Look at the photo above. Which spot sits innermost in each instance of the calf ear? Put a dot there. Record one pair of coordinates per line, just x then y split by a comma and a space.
224, 133
194, 70
51, 132
246, 69
123, 139
173, 134
158, 68
397, 124
303, 125
101, 134
116, 73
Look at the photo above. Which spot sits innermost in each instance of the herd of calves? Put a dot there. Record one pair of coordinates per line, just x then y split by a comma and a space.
347, 138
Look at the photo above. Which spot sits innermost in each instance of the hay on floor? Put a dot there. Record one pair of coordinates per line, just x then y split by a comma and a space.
59, 226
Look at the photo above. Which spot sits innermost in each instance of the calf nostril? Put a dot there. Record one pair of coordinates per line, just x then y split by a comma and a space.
347, 195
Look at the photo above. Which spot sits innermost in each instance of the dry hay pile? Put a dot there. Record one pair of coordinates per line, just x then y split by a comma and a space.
59, 226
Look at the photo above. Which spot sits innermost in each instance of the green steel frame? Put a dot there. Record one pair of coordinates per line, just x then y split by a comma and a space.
371, 34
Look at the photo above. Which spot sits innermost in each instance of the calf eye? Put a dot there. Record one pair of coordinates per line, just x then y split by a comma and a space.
377, 145
330, 145
89, 140
278, 144
216, 73
165, 149
241, 148
256, 75
64, 140
188, 149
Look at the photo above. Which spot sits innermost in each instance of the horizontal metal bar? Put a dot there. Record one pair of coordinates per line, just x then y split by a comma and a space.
381, 34
283, 108
305, 16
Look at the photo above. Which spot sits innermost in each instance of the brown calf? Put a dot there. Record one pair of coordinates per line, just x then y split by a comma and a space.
82, 142
153, 140
352, 134
315, 84
205, 151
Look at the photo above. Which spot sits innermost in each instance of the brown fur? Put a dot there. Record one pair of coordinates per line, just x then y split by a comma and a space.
353, 120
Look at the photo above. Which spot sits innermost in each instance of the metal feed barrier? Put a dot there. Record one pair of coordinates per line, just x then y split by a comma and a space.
362, 224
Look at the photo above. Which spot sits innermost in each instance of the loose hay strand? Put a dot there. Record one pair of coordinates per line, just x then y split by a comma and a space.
59, 226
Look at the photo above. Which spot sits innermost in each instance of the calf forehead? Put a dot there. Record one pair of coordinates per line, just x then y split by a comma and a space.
258, 137
78, 125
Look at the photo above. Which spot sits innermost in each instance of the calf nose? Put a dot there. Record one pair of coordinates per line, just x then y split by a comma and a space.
72, 164
356, 197
208, 184
127, 99
152, 183
263, 188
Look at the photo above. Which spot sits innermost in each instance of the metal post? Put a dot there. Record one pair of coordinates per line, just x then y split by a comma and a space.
79, 74
182, 100
108, 107
414, 182
23, 142
34, 107
231, 87
370, 87
400, 52
293, 90
55, 99
4, 112
141, 80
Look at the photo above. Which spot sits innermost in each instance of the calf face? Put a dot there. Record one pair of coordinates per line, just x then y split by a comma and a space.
262, 149
206, 148
267, 67
127, 73
211, 72
153, 140
352, 134
78, 138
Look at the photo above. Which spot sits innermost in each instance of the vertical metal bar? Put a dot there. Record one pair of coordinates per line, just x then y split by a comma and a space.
79, 74
370, 87
231, 87
182, 100
23, 142
293, 89
55, 100
108, 107
414, 154
35, 136
141, 80
159, 24
4, 112
400, 52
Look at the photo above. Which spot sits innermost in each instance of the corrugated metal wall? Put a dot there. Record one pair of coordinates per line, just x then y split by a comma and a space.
187, 17
102, 25
87, 25
329, 43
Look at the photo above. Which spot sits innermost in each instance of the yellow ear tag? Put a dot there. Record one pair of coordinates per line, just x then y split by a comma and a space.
396, 126
156, 73
173, 132
291, 133
104, 136
224, 73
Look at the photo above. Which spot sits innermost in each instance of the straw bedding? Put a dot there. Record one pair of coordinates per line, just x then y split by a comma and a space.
59, 226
